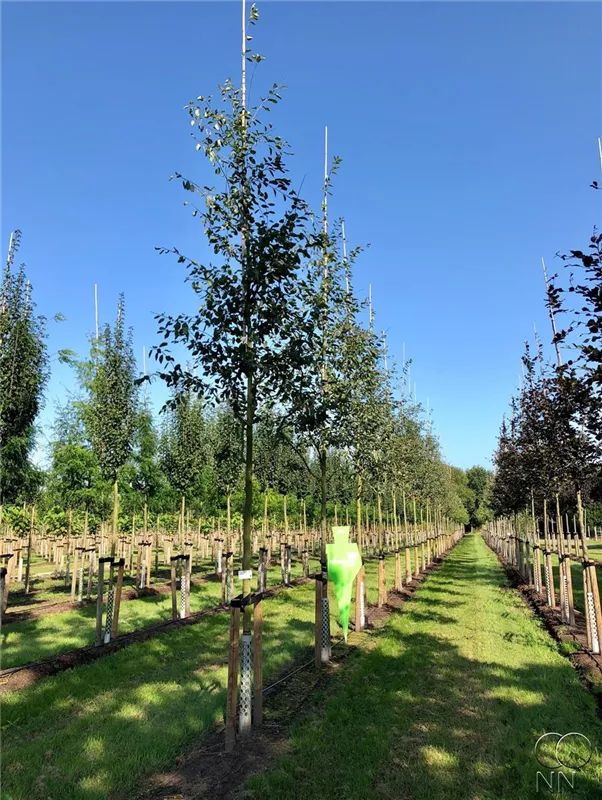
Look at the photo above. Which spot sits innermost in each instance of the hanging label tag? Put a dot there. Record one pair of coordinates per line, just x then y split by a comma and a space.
245, 574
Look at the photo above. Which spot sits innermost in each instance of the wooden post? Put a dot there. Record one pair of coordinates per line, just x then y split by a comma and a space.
382, 589
186, 578
2, 587
100, 598
549, 573
91, 555
359, 600
257, 663
318, 623
174, 601
232, 695
27, 568
569, 588
597, 610
398, 583
74, 575
115, 622
149, 559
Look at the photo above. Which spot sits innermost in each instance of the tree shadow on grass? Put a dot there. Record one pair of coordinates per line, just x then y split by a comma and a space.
90, 733
427, 723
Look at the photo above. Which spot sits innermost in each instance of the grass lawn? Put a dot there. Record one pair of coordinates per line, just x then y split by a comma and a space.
52, 634
92, 733
446, 703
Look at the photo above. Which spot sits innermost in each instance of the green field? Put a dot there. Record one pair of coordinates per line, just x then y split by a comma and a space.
447, 705
52, 634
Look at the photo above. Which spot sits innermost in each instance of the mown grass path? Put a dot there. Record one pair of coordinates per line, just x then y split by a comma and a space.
446, 703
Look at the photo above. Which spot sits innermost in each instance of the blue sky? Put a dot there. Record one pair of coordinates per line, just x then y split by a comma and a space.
468, 137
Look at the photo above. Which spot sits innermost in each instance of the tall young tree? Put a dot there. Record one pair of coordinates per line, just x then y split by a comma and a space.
111, 410
228, 458
184, 446
249, 337
23, 376
148, 478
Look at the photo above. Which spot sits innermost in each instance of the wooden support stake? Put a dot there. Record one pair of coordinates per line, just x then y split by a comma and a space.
232, 696
2, 590
258, 663
596, 597
74, 575
174, 601
382, 589
100, 598
119, 587
186, 577
318, 624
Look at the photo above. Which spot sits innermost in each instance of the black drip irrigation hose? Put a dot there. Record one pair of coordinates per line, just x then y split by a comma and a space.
338, 643
166, 625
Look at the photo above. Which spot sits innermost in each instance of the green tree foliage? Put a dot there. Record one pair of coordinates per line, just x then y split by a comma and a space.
23, 376
480, 481
546, 449
184, 447
228, 452
249, 337
74, 480
111, 412
148, 478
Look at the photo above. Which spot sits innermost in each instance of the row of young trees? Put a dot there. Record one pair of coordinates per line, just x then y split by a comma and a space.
107, 447
286, 392
551, 444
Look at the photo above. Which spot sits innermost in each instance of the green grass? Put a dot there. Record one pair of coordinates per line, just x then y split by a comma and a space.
446, 703
91, 733
94, 732
52, 634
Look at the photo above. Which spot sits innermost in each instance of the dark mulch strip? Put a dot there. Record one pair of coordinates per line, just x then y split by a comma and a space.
207, 771
21, 677
587, 664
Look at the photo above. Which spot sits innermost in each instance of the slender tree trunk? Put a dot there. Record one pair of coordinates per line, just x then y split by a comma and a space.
358, 513
264, 524
248, 505
31, 524
322, 617
324, 521
182, 519
228, 519
285, 515
395, 522
115, 525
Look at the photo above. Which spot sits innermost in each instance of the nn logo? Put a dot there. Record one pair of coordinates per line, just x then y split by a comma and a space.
562, 757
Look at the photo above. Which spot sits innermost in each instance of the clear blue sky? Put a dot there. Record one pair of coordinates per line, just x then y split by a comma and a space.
468, 137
